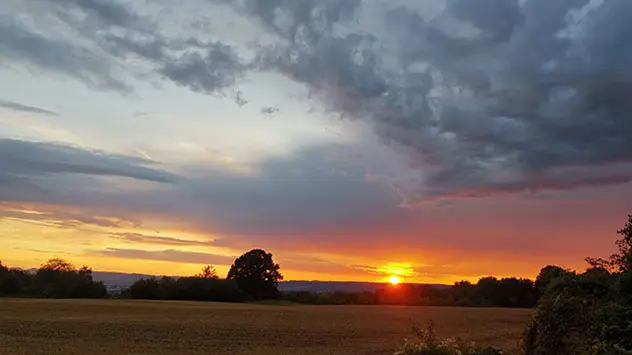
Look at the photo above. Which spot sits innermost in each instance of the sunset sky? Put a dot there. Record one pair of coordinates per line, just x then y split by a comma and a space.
437, 140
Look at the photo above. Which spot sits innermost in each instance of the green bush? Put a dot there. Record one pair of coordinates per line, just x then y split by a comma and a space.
585, 314
427, 343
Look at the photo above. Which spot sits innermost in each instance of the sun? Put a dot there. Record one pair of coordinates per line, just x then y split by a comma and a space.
394, 280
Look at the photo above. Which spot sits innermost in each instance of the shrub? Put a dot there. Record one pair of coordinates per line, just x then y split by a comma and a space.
585, 314
427, 343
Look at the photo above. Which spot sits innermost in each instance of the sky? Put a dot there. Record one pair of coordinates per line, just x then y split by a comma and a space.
437, 140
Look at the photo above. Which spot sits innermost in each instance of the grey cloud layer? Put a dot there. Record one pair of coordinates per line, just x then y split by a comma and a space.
316, 190
529, 91
311, 191
484, 96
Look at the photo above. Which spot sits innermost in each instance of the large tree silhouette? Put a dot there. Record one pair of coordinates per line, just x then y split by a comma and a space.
256, 274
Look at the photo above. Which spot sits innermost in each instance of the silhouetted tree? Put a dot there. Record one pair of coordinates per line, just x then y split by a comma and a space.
208, 272
621, 261
147, 289
488, 291
547, 275
57, 265
256, 274
4, 276
58, 278
462, 294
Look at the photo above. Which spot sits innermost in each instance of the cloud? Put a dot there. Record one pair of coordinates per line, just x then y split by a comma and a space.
25, 158
217, 68
269, 111
61, 217
26, 108
21, 44
112, 13
317, 187
314, 191
159, 240
500, 96
104, 38
35, 170
169, 255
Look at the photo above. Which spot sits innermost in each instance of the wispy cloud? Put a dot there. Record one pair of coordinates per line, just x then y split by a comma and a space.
159, 240
169, 255
63, 217
20, 160
26, 108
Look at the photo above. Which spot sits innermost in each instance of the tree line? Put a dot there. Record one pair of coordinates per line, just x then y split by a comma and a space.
487, 292
56, 278
255, 276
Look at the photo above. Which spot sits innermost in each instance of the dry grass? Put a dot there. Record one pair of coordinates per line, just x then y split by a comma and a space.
68, 327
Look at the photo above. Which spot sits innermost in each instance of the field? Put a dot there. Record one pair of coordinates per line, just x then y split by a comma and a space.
68, 327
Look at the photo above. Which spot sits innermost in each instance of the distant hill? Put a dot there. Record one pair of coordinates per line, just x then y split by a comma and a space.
116, 281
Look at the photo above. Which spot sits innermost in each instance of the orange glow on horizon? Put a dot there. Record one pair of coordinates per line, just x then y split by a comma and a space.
33, 233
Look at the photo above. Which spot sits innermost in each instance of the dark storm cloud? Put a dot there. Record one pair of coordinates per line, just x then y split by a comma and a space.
10, 105
499, 20
529, 91
484, 96
24, 164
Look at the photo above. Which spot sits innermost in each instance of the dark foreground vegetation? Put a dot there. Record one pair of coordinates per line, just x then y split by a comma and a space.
587, 313
576, 313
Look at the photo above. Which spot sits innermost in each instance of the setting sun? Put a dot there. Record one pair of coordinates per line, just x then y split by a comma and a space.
394, 280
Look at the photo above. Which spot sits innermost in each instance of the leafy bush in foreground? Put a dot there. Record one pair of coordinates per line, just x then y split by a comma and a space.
428, 344
589, 313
